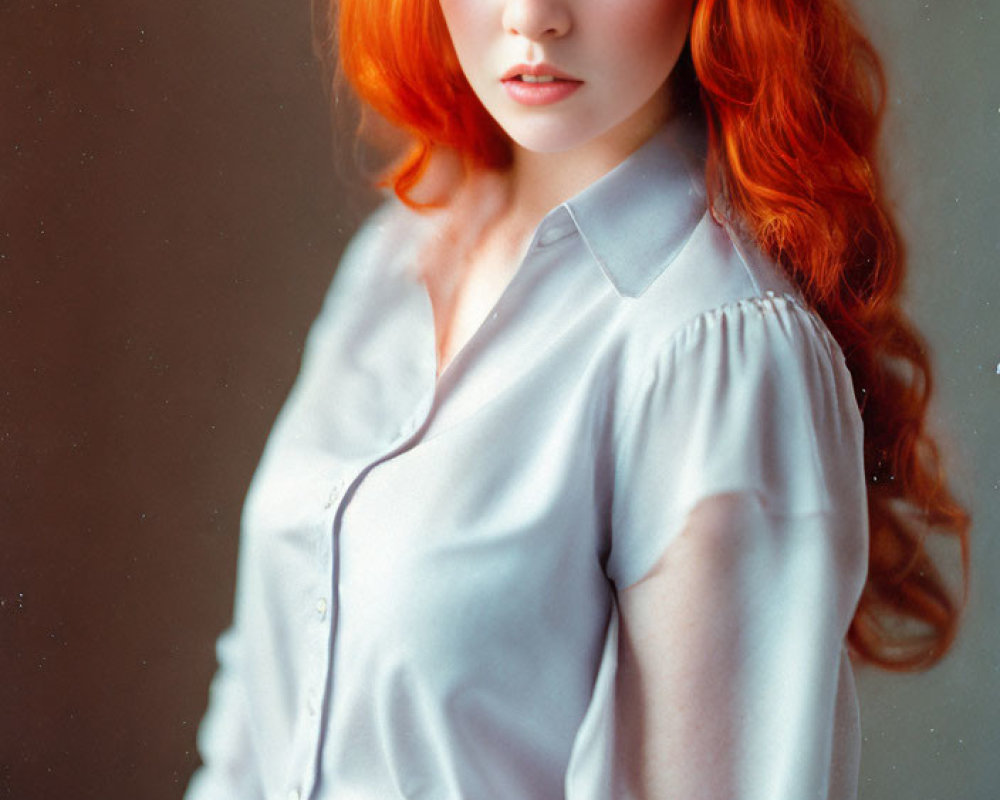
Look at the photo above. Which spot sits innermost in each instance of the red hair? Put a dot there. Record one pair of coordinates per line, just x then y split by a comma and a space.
792, 92
398, 56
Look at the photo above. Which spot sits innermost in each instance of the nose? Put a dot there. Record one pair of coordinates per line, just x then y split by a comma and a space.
537, 19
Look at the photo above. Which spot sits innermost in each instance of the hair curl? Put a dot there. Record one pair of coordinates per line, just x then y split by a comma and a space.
793, 93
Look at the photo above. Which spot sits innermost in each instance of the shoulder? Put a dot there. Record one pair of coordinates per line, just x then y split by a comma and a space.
382, 249
719, 298
390, 232
715, 270
741, 390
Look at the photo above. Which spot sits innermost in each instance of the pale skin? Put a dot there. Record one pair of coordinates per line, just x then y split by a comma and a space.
676, 688
674, 696
536, 183
622, 52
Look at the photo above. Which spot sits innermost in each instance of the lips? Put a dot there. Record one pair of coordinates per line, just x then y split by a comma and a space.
538, 84
543, 71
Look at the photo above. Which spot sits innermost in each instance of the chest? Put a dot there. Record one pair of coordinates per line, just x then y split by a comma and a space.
455, 530
500, 468
504, 461
464, 292
434, 544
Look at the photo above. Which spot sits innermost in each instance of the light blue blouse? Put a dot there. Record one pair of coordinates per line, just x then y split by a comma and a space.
426, 591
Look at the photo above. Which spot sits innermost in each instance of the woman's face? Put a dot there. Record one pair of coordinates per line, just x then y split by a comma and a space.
557, 74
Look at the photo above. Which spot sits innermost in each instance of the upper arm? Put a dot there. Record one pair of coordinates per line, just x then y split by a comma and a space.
738, 553
678, 637
730, 652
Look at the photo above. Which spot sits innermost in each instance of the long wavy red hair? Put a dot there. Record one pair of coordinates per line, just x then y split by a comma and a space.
792, 92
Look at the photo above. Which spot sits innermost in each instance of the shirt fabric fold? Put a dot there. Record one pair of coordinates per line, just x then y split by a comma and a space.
428, 566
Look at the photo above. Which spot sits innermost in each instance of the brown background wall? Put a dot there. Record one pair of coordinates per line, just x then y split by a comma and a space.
169, 219
170, 215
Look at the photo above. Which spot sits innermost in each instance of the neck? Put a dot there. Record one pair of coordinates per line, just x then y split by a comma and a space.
538, 182
497, 212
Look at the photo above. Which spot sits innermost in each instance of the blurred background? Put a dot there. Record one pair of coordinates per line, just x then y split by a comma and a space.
172, 207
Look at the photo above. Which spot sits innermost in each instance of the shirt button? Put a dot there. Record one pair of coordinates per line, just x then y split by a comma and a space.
321, 607
407, 428
334, 495
294, 795
552, 233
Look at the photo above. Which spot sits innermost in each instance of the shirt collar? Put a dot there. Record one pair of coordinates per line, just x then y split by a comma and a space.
636, 218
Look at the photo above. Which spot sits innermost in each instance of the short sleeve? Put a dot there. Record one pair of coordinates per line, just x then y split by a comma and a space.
752, 398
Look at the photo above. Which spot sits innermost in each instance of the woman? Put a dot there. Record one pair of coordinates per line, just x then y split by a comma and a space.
573, 496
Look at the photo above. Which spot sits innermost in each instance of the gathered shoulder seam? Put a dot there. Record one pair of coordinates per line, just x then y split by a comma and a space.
684, 338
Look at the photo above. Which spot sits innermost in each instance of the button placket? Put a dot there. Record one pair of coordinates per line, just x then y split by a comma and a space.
319, 617
315, 692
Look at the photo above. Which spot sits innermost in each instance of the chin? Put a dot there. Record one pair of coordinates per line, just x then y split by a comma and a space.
548, 138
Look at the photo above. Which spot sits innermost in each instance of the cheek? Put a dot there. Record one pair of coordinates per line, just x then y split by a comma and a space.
650, 33
466, 27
